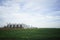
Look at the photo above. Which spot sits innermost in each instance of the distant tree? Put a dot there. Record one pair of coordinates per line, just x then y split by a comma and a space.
13, 26
17, 26
21, 26
5, 27
10, 26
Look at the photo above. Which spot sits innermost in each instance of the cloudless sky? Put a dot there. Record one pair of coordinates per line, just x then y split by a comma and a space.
38, 13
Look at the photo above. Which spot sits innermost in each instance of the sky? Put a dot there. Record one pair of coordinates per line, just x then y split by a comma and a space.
36, 13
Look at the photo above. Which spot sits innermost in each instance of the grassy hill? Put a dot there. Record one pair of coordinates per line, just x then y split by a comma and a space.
30, 34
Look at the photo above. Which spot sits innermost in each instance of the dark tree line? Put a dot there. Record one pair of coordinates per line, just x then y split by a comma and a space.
14, 26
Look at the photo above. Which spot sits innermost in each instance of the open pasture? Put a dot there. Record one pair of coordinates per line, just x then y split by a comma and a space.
30, 34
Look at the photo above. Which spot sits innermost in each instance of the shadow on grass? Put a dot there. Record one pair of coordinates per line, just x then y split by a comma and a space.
54, 38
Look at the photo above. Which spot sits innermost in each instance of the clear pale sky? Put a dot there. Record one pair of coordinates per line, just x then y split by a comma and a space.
38, 13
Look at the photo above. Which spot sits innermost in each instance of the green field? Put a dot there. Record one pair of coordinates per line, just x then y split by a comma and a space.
30, 34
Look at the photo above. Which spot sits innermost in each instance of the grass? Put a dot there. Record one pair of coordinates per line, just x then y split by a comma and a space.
30, 34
